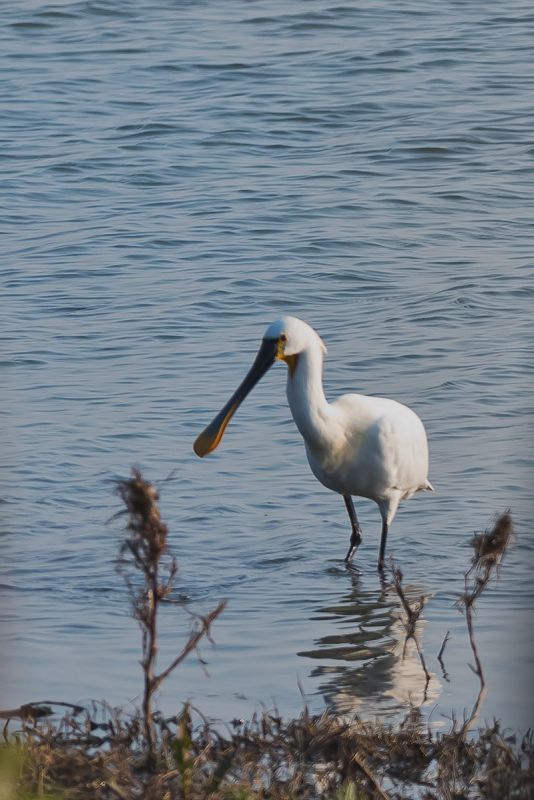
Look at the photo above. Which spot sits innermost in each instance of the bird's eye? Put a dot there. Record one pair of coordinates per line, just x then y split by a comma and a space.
283, 338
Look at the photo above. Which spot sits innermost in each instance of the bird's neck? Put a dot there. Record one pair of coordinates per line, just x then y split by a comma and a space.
306, 398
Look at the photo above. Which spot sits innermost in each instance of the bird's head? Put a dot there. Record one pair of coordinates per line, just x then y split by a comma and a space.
292, 336
284, 340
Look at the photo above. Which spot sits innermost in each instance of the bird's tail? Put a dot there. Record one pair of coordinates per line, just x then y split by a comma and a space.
427, 487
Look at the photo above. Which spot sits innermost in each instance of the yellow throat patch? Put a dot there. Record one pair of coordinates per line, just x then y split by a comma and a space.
291, 360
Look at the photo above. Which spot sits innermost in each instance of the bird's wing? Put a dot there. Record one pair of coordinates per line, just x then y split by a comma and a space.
388, 438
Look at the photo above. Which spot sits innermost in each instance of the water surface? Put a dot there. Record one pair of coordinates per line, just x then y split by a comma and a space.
176, 176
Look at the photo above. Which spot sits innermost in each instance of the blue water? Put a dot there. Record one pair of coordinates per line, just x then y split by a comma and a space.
175, 176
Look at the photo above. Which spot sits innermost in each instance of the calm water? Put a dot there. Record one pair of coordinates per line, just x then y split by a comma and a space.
174, 177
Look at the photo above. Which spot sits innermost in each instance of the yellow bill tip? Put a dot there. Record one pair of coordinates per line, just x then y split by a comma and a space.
203, 445
209, 439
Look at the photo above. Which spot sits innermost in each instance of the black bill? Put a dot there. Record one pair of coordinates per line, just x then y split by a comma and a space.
212, 435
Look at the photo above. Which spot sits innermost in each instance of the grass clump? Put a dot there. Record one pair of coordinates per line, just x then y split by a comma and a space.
309, 757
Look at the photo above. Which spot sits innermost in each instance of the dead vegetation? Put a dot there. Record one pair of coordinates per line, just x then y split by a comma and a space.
102, 753
412, 614
149, 574
489, 550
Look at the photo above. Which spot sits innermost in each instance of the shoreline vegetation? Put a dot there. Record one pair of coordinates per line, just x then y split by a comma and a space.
103, 753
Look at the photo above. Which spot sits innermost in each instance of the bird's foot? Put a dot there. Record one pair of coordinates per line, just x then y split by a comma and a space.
355, 541
350, 553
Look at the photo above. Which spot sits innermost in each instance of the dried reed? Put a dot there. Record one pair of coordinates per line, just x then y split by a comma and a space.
144, 554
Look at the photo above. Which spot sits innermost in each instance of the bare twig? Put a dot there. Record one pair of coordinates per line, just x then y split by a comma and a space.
413, 612
192, 643
440, 656
371, 777
37, 709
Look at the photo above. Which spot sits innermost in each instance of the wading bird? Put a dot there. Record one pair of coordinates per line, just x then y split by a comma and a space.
365, 446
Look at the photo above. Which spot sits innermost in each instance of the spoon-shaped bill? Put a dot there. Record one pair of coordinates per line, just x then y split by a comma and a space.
212, 435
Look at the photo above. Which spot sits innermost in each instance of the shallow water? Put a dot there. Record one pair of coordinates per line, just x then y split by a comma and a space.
176, 176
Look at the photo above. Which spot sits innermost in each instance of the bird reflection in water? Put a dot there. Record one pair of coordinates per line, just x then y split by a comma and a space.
366, 665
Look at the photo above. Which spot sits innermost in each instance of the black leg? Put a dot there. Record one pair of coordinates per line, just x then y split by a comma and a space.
382, 545
356, 536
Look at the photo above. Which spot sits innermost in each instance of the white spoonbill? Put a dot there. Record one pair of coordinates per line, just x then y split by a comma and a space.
365, 446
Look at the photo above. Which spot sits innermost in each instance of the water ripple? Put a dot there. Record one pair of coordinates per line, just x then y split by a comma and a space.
176, 176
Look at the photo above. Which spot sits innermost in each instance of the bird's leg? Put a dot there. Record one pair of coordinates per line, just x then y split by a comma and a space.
382, 552
356, 536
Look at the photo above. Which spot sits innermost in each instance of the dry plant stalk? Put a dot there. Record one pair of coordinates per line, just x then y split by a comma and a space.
142, 554
489, 550
440, 656
413, 612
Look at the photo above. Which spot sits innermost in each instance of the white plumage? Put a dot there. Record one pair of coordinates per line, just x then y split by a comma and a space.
357, 446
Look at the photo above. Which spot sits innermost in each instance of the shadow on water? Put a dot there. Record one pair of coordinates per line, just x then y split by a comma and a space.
365, 663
